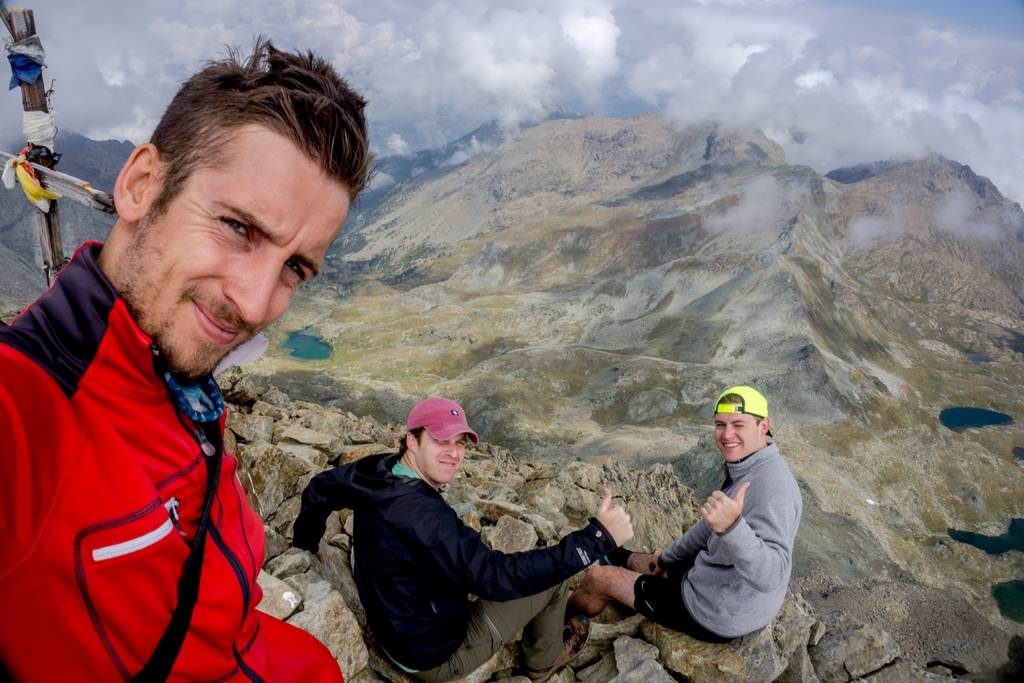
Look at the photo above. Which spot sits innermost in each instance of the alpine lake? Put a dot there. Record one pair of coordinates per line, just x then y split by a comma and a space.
961, 417
1009, 596
305, 346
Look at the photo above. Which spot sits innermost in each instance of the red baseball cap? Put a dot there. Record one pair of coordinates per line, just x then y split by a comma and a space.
441, 417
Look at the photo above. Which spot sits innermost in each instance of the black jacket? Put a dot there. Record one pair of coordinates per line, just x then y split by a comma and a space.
416, 562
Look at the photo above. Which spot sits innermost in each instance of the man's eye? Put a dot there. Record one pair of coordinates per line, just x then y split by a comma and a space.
238, 226
297, 268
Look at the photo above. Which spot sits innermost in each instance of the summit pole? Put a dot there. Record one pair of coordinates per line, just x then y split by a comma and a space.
22, 24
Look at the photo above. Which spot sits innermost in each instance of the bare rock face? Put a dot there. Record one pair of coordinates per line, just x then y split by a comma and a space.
315, 457
291, 562
904, 672
351, 453
337, 571
696, 660
250, 428
239, 388
270, 475
305, 436
760, 656
279, 599
602, 636
334, 625
850, 649
276, 543
511, 535
636, 660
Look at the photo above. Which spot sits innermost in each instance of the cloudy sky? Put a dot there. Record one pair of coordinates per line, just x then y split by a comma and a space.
834, 82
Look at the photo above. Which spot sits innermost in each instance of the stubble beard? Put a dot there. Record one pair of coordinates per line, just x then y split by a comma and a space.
139, 287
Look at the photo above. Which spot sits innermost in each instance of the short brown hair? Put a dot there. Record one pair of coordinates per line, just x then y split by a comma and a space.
299, 96
416, 434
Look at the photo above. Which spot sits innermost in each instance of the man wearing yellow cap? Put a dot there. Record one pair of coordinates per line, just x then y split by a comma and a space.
727, 575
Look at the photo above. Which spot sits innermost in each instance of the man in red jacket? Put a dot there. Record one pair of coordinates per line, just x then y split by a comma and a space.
127, 548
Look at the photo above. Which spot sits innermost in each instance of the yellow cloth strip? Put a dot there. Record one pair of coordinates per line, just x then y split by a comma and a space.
31, 187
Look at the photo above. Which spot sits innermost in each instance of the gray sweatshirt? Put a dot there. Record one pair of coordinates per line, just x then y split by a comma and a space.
739, 577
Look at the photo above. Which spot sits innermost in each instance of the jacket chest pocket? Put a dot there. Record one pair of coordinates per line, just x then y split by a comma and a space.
127, 570
143, 541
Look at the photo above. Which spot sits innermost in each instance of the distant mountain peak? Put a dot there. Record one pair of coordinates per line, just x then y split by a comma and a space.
930, 166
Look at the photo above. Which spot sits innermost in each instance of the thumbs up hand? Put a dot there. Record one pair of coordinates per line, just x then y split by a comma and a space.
614, 519
720, 511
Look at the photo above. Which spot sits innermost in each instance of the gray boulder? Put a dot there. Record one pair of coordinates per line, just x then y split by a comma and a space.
511, 535
333, 624
850, 649
637, 662
279, 599
270, 475
760, 656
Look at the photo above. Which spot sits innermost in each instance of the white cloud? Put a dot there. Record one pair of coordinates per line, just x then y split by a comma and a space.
136, 129
866, 230
381, 180
815, 78
594, 37
958, 214
838, 85
851, 83
755, 211
474, 148
398, 146
762, 3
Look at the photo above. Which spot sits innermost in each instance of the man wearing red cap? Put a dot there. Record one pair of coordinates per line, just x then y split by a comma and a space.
727, 575
416, 562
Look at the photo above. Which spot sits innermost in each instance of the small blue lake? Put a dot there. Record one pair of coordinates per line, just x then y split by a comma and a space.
1018, 453
1010, 598
994, 545
307, 346
978, 358
1010, 595
960, 418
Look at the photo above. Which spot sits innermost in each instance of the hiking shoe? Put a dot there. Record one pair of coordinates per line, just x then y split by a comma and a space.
574, 638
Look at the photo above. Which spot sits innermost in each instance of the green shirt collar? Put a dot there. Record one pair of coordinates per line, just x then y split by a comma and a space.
400, 470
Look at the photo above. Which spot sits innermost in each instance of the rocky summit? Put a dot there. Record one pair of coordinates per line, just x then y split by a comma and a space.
518, 505
584, 287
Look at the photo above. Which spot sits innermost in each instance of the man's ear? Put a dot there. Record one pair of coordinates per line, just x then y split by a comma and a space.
139, 183
411, 443
765, 425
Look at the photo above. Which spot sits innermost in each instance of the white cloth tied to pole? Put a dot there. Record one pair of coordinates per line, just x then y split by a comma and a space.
31, 47
39, 128
9, 177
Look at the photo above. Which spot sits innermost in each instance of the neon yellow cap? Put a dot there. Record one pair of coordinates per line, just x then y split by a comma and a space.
754, 403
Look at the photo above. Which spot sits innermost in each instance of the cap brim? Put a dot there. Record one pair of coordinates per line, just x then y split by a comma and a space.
454, 430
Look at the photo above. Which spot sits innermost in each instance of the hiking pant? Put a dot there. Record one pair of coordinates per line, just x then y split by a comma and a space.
492, 624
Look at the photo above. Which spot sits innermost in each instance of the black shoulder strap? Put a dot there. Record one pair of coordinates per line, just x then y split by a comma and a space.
160, 663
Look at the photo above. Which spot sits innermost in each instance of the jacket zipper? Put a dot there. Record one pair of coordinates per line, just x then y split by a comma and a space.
109, 552
236, 565
172, 506
209, 450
